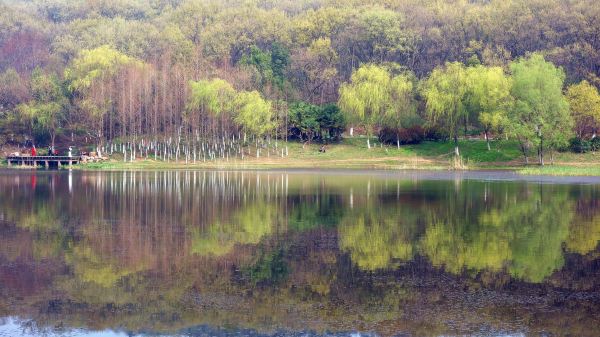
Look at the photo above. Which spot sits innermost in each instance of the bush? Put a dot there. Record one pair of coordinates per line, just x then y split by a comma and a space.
595, 144
412, 135
308, 122
579, 145
331, 122
435, 134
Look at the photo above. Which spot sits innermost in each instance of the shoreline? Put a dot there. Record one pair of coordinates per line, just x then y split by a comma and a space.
516, 173
351, 154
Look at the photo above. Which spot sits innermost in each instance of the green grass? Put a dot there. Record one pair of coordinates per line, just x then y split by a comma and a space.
353, 153
559, 170
473, 151
349, 153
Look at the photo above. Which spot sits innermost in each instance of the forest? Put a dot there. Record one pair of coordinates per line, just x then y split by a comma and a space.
202, 80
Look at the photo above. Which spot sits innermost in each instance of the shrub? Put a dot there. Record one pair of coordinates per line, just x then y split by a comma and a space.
579, 145
595, 144
435, 134
308, 122
412, 135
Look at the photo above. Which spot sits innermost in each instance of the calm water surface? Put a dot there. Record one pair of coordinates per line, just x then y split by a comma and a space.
298, 253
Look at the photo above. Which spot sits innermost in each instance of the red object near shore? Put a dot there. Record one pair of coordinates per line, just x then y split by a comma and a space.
33, 152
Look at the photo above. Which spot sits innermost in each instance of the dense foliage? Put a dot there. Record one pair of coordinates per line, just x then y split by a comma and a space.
132, 72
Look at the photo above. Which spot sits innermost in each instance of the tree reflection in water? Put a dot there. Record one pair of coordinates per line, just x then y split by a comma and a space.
165, 251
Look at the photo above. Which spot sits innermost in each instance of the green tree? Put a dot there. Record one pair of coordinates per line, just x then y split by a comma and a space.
254, 113
303, 120
213, 96
446, 94
489, 97
261, 61
584, 101
403, 112
331, 122
89, 77
373, 94
382, 34
280, 60
209, 97
540, 115
47, 108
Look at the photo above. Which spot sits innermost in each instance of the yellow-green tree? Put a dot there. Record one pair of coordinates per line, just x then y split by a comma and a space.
254, 114
489, 97
584, 101
209, 97
540, 115
446, 94
88, 78
374, 94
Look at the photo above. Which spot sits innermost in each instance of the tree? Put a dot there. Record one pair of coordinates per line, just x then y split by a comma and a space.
584, 101
254, 114
540, 115
489, 97
382, 35
280, 60
303, 121
331, 122
313, 71
403, 112
214, 97
445, 92
47, 108
373, 94
13, 91
90, 77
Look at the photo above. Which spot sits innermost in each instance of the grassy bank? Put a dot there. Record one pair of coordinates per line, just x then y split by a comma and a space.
353, 154
350, 153
562, 170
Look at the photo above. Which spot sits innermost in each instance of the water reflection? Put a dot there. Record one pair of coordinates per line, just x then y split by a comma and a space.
166, 251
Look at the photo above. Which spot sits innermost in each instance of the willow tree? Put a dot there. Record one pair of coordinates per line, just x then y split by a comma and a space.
209, 98
254, 114
584, 100
88, 76
540, 115
402, 113
374, 94
489, 97
446, 93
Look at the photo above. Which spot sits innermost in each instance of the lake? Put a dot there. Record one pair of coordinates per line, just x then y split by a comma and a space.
298, 253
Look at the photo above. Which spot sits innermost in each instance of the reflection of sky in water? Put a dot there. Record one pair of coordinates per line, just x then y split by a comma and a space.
11, 327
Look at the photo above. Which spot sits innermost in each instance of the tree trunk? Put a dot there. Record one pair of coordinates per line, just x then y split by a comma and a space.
541, 152
524, 151
456, 151
487, 140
